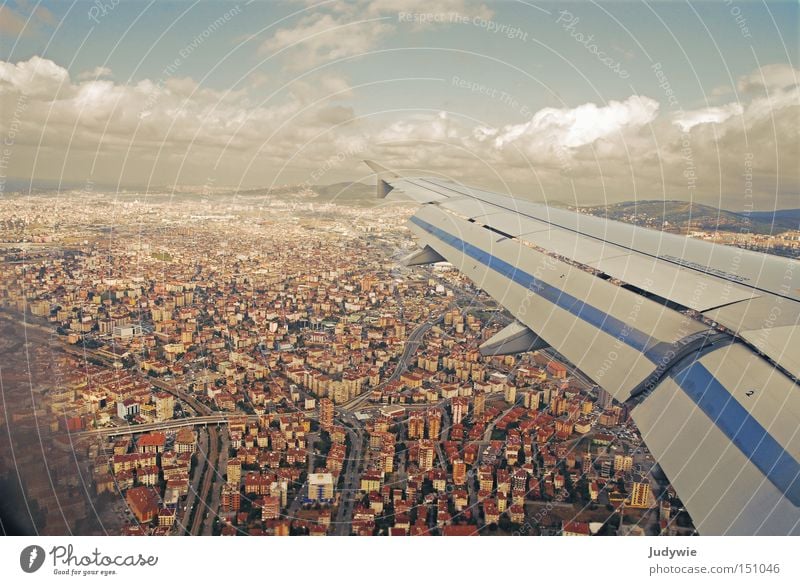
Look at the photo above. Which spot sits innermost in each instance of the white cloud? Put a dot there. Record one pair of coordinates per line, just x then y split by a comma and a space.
35, 77
329, 85
95, 73
770, 78
622, 150
574, 127
344, 29
712, 115
617, 150
257, 79
321, 37
74, 119
465, 8
422, 129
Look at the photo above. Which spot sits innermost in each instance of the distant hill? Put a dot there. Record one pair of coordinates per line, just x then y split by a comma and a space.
789, 218
684, 215
678, 215
349, 193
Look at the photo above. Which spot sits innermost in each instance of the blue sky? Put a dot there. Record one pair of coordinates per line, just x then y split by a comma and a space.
277, 89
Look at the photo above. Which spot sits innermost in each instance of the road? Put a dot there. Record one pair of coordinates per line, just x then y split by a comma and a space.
487, 435
352, 472
195, 404
411, 346
194, 421
202, 510
202, 451
297, 503
216, 493
207, 418
445, 433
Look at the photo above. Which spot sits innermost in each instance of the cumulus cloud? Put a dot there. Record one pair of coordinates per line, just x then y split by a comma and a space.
552, 141
394, 8
257, 79
573, 127
36, 77
591, 152
712, 115
772, 77
129, 123
330, 85
622, 150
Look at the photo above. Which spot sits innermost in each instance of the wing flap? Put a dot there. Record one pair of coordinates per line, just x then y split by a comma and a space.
685, 287
426, 255
511, 224
769, 323
780, 344
467, 207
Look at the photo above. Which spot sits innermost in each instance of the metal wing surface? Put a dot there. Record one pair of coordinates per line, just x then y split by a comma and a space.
702, 341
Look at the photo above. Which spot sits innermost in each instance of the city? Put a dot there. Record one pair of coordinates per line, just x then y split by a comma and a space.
212, 376
381, 268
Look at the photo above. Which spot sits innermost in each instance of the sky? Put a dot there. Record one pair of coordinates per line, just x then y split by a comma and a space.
581, 103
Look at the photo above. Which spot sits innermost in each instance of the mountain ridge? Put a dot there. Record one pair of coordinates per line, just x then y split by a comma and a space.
687, 215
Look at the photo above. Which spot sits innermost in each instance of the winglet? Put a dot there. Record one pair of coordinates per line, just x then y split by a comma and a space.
382, 173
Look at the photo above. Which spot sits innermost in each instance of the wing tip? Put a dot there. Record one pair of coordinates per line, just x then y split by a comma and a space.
382, 187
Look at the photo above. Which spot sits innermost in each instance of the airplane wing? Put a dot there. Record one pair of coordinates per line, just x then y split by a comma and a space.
702, 341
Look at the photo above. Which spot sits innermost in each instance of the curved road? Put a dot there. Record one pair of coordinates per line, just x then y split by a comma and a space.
412, 345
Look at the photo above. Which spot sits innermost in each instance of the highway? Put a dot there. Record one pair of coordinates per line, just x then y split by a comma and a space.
206, 418
192, 421
210, 466
216, 489
198, 406
194, 486
352, 472
209, 469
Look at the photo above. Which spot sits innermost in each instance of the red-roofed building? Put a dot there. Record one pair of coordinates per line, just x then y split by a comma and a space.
166, 517
143, 502
152, 443
575, 529
460, 530
517, 514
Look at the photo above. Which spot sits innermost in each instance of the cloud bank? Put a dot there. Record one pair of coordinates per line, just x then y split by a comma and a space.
175, 130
